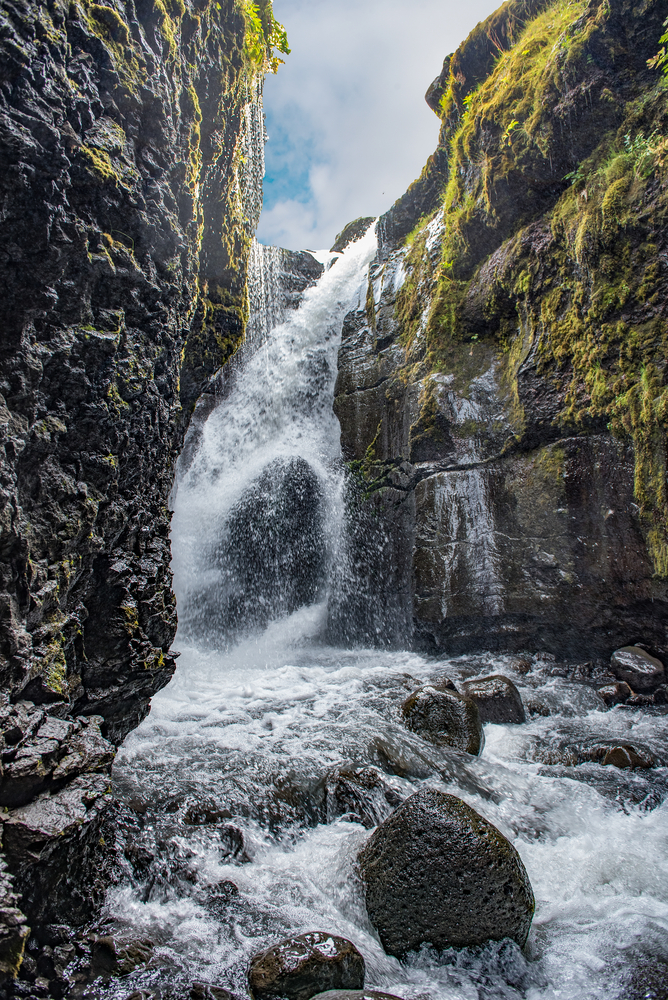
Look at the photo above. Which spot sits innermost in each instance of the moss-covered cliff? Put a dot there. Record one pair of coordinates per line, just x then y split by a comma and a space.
131, 144
511, 417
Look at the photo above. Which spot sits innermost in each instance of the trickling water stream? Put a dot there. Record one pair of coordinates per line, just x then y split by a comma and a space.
242, 779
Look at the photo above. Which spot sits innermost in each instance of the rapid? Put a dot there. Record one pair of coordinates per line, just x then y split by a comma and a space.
244, 828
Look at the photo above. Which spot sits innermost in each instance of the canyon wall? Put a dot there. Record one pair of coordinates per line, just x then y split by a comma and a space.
503, 396
131, 164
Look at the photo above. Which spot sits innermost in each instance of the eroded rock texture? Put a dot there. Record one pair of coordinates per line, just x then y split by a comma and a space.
502, 395
131, 142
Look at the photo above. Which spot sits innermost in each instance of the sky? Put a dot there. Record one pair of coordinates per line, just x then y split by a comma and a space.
348, 125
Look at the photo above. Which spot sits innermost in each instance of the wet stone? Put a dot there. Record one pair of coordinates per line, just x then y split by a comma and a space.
615, 694
436, 872
627, 757
302, 966
445, 718
207, 991
634, 665
361, 794
355, 995
497, 698
233, 844
111, 956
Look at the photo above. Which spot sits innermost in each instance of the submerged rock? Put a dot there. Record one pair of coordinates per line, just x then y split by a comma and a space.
207, 991
444, 717
438, 873
627, 756
360, 793
111, 956
300, 967
355, 995
497, 698
637, 668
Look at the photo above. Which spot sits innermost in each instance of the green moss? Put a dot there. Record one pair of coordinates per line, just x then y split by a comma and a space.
100, 165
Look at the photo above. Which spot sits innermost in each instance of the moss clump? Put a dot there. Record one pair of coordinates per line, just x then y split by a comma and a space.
100, 165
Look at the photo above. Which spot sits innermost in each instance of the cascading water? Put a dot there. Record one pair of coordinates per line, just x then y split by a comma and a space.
246, 821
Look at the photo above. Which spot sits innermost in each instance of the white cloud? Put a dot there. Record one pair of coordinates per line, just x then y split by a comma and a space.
348, 126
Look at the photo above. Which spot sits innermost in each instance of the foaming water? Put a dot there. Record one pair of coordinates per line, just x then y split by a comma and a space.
273, 442
254, 738
243, 823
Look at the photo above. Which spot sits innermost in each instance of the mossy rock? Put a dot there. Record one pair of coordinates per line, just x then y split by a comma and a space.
438, 873
444, 717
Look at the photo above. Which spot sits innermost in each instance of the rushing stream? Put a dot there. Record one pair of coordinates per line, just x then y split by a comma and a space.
244, 778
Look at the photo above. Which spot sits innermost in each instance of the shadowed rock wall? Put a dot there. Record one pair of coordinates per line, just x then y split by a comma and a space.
131, 158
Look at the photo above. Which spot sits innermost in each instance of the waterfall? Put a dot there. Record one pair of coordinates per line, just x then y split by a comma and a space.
257, 512
241, 826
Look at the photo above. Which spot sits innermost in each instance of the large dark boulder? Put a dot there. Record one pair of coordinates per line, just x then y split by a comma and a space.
641, 671
438, 873
300, 967
444, 717
497, 698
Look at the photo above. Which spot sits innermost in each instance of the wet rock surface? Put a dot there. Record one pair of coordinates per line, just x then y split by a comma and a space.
356, 995
361, 794
14, 929
42, 751
436, 872
634, 666
497, 698
445, 717
272, 557
129, 206
517, 533
301, 967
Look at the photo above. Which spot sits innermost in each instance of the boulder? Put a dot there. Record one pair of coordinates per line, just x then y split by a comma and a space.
497, 698
300, 967
436, 872
615, 694
444, 717
637, 668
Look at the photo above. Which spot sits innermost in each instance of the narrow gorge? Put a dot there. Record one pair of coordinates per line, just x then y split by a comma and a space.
407, 498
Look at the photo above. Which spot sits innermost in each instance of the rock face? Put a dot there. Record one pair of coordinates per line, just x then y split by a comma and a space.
274, 547
300, 967
14, 929
444, 717
501, 469
436, 872
131, 158
633, 666
497, 698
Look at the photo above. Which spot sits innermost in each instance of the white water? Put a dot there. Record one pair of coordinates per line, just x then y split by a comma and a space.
249, 736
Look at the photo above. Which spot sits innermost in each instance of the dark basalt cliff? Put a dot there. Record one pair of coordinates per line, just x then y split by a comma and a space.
131, 137
503, 396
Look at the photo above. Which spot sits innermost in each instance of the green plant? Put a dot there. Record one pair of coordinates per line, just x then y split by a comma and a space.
660, 60
265, 36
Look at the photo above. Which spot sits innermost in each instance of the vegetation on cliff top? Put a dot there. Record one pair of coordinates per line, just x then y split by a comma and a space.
554, 219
